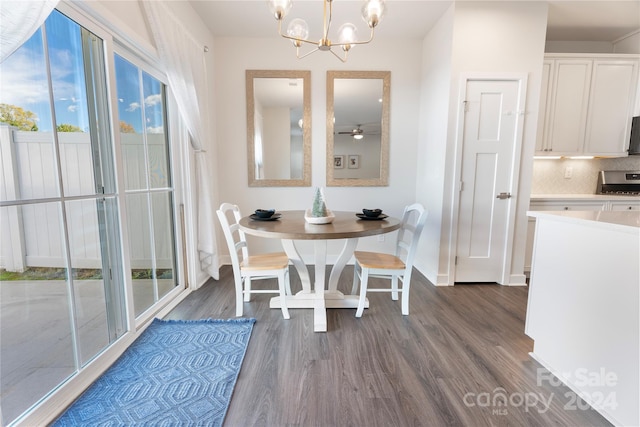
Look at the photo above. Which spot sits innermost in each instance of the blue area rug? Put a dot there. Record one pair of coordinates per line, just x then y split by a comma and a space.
176, 373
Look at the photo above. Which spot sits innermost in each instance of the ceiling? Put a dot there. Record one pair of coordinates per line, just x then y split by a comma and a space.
569, 20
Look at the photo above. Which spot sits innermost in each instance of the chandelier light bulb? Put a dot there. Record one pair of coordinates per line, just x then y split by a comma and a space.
298, 29
358, 136
347, 35
279, 8
373, 11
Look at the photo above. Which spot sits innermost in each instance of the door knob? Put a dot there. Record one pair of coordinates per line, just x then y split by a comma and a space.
503, 196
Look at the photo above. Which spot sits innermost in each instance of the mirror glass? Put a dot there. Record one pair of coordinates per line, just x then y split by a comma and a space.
279, 128
358, 128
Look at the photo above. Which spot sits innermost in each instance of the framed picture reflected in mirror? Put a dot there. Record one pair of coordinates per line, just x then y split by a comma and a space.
354, 161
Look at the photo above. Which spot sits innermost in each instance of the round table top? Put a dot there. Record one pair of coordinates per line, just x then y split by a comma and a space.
292, 225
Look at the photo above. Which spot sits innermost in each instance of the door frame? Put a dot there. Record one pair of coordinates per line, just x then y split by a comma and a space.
521, 79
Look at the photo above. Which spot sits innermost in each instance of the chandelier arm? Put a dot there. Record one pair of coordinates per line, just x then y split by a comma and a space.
338, 56
356, 42
306, 54
300, 40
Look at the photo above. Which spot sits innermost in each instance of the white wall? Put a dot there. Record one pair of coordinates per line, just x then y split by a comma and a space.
578, 47
628, 44
487, 37
432, 151
235, 55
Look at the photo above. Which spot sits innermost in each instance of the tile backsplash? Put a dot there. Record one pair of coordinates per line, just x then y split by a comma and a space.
549, 175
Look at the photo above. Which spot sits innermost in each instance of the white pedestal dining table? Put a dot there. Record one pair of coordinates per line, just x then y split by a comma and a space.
292, 226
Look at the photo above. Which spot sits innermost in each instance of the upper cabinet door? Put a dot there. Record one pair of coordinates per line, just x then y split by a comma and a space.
546, 90
586, 104
572, 78
610, 107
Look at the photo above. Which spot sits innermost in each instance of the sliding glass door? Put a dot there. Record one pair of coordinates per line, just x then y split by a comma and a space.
147, 183
64, 271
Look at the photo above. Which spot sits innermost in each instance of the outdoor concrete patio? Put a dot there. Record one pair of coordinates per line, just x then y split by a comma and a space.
36, 351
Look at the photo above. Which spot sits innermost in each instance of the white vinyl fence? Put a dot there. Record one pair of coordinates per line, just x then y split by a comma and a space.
31, 234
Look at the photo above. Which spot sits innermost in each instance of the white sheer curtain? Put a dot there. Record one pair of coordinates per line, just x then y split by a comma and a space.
183, 58
19, 19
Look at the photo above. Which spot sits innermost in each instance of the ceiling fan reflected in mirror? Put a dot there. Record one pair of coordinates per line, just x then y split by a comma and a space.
358, 133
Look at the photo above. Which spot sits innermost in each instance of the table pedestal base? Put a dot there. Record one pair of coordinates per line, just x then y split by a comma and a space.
320, 298
332, 299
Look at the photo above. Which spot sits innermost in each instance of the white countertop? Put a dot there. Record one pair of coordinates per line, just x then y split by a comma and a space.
627, 220
540, 197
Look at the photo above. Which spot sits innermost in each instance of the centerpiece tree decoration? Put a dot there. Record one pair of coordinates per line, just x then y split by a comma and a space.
319, 214
319, 209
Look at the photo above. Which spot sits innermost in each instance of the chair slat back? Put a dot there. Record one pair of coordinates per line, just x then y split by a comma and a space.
235, 237
413, 220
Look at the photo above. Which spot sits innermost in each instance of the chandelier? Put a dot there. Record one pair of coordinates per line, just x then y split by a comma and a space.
298, 30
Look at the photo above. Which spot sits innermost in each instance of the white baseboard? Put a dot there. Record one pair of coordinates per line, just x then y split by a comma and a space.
518, 280
443, 280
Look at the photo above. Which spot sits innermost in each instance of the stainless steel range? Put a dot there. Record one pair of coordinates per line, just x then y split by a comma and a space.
624, 183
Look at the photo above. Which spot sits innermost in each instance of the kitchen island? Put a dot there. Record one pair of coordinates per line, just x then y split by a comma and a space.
583, 308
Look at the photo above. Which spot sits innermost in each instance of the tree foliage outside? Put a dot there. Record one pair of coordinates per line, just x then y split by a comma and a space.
126, 127
18, 117
65, 127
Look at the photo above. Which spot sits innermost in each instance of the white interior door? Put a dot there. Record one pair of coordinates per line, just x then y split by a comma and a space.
490, 138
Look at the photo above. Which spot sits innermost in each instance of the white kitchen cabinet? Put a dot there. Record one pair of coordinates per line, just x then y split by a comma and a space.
567, 107
586, 104
611, 103
558, 205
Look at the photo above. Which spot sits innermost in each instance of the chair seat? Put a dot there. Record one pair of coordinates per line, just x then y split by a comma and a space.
375, 260
271, 261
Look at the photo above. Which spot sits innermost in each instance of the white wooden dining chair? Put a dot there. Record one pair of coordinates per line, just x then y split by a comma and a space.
252, 267
391, 267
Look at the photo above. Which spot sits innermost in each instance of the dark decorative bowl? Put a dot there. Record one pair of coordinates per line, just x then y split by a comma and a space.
372, 213
265, 213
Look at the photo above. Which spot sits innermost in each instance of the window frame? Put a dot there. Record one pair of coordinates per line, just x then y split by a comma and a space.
176, 174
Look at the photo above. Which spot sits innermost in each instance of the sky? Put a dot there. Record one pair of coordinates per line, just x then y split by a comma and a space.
23, 82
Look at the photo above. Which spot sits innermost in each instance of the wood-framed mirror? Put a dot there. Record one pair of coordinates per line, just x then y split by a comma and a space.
358, 128
278, 128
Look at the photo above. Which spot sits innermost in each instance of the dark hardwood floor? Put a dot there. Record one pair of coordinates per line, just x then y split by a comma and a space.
459, 359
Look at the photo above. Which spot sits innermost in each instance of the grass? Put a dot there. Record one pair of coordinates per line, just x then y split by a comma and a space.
48, 273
